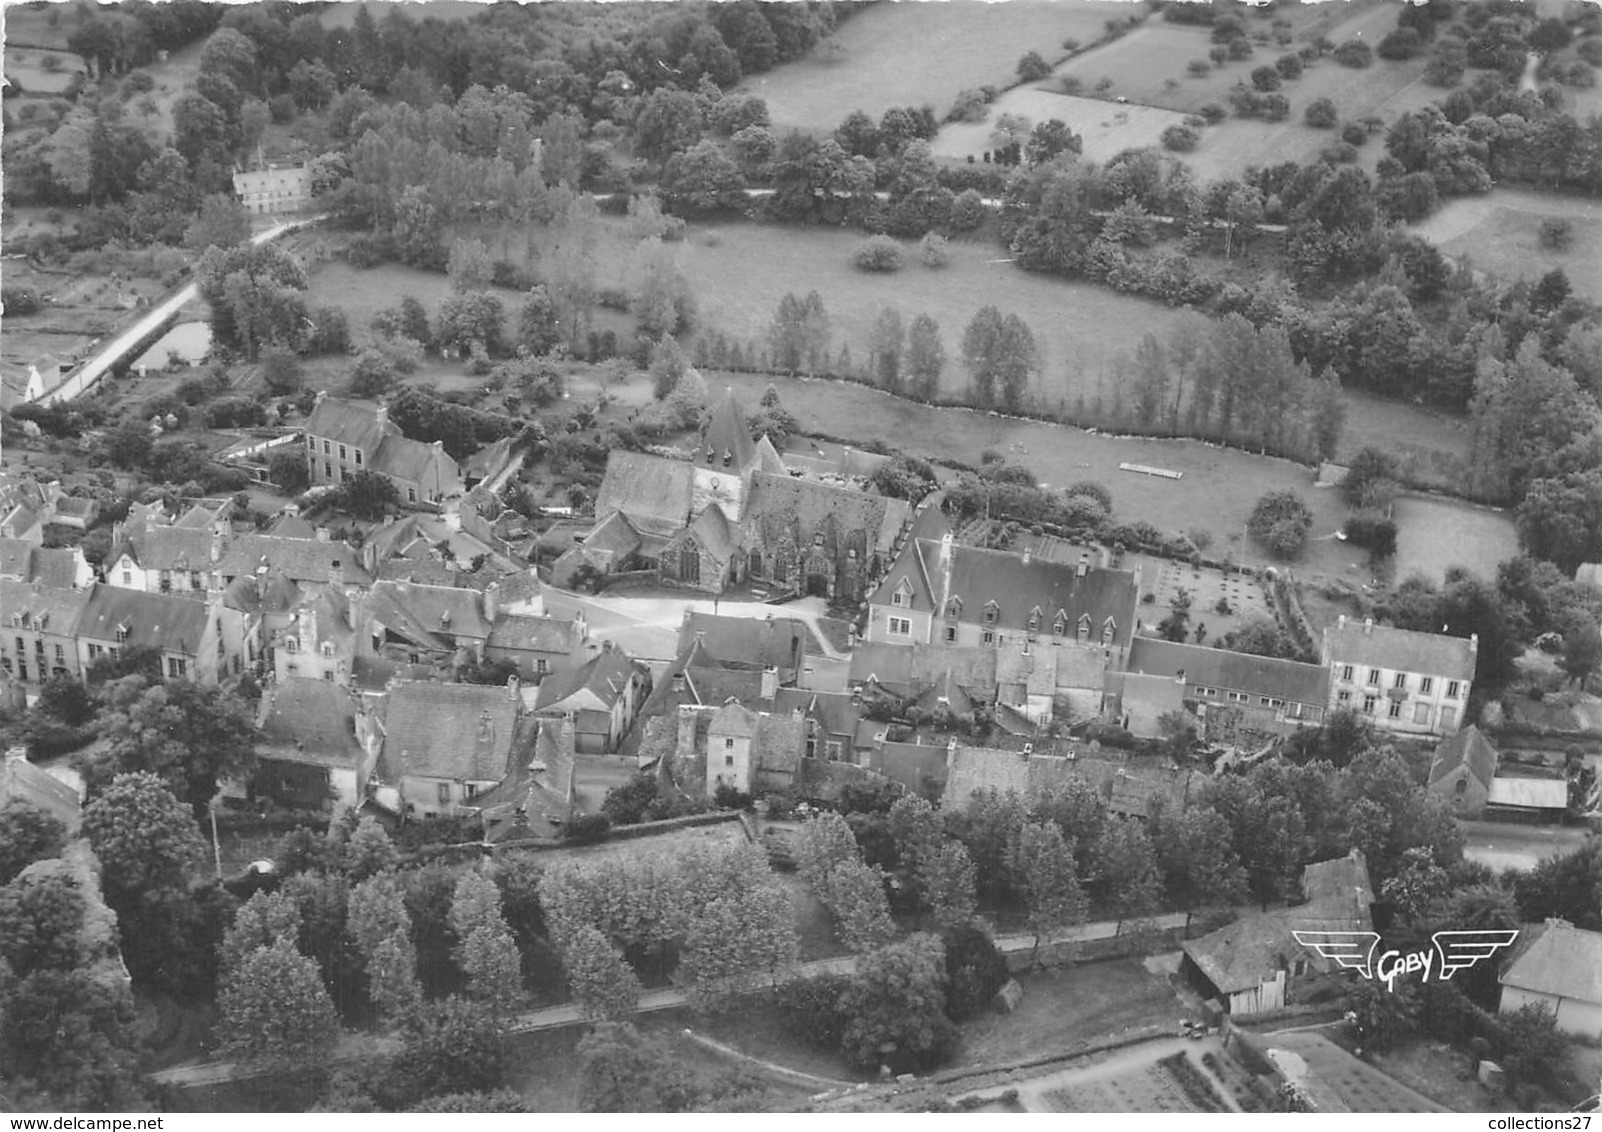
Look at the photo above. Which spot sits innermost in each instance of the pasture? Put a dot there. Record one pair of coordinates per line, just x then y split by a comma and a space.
1499, 233
1219, 488
40, 25
1106, 128
912, 54
28, 68
1356, 1084
740, 272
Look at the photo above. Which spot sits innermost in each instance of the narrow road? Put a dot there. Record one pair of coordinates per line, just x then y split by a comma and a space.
84, 377
352, 1047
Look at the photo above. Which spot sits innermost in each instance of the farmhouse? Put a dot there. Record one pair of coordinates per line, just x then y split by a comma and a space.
939, 592
343, 438
1560, 970
1468, 773
1404, 681
1252, 964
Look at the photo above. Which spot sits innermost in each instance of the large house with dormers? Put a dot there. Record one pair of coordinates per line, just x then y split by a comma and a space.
938, 592
343, 438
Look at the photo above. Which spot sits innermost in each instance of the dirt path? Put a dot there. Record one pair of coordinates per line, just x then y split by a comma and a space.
353, 1047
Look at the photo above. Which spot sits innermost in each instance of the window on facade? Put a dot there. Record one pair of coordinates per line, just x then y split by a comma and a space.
22, 669
988, 637
728, 744
358, 457
1343, 697
541, 666
22, 646
444, 793
951, 634
95, 651
328, 470
900, 626
1373, 676
898, 596
1400, 681
327, 448
1461, 787
127, 577
292, 668
1426, 685
728, 760
1395, 711
311, 442
411, 495
1451, 689
1346, 672
1368, 705
342, 452
328, 649
122, 633
1421, 714
992, 613
1239, 698
61, 654
176, 667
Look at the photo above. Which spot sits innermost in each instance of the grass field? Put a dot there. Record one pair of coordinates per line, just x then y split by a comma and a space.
1500, 234
32, 24
25, 65
741, 273
1106, 128
1217, 491
911, 54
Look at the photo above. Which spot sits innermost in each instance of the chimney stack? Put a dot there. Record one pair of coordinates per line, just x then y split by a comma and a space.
1368, 626
216, 544
492, 602
381, 414
770, 683
323, 535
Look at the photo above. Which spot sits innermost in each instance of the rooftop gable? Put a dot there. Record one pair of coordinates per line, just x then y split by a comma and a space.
1564, 961
462, 732
1287, 680
1468, 747
1400, 650
346, 422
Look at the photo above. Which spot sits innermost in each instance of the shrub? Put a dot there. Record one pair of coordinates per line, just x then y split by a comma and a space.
1239, 49
1338, 153
20, 300
968, 210
1289, 66
1180, 139
1199, 67
1213, 113
1321, 114
1557, 233
1354, 134
1275, 107
971, 106
933, 250
1354, 53
1266, 79
1281, 521
1403, 43
1032, 68
587, 829
877, 253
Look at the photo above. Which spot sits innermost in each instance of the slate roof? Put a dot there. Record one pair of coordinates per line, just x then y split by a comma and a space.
714, 685
653, 491
726, 441
1401, 650
173, 548
1468, 746
837, 713
461, 732
536, 797
1529, 793
1242, 955
1338, 889
1564, 961
614, 534
304, 560
23, 781
533, 634
1287, 680
291, 526
780, 740
1017, 588
171, 624
271, 592
888, 664
75, 506
605, 677
734, 721
713, 531
778, 642
349, 423
812, 505
308, 721
61, 609
406, 459
427, 614
24, 561
973, 769
428, 572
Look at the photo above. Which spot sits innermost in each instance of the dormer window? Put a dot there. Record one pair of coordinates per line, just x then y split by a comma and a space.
1109, 627
328, 649
817, 539
954, 608
1059, 625
1034, 621
122, 632
992, 613
902, 594
1083, 629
